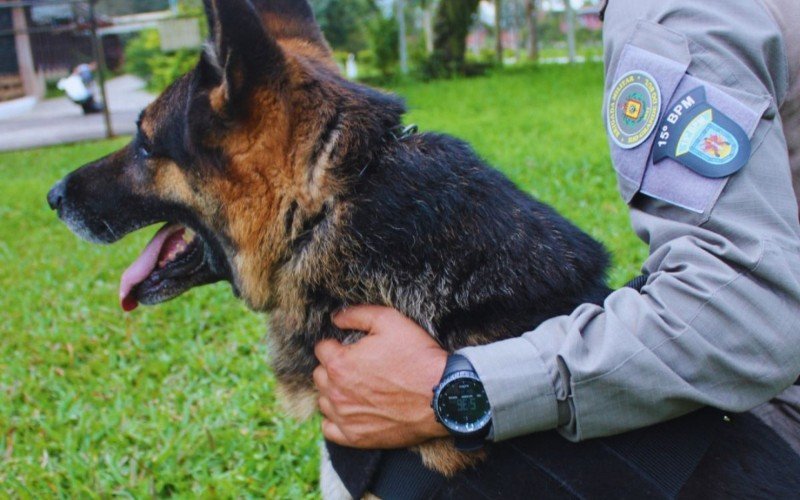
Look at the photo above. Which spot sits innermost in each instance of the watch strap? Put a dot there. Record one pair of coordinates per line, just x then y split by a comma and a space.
457, 363
473, 442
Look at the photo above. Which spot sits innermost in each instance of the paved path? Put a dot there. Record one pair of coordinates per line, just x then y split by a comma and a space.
59, 121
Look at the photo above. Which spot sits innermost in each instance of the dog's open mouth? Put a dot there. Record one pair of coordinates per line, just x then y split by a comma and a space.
174, 261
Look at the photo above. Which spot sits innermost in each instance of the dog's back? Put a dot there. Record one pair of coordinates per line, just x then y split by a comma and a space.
455, 245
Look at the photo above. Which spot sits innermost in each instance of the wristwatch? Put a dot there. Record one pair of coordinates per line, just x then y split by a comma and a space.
460, 404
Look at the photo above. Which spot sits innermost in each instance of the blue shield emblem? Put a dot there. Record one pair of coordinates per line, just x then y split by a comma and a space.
707, 140
700, 137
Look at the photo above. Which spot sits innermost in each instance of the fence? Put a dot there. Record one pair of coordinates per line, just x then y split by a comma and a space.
43, 40
71, 34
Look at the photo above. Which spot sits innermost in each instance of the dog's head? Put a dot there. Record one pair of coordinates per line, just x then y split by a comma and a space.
239, 158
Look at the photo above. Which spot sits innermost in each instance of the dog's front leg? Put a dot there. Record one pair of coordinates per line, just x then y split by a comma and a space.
330, 485
298, 401
442, 456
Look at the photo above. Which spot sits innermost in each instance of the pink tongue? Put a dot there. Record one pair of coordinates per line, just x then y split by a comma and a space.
143, 266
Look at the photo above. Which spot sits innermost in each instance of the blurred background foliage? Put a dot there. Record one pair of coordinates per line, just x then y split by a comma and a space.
144, 58
444, 38
346, 23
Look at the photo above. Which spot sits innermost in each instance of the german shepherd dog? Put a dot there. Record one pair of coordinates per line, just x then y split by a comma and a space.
274, 173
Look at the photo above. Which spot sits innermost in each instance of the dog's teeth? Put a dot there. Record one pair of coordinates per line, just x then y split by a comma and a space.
177, 248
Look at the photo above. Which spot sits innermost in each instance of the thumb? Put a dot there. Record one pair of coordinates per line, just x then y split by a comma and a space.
367, 319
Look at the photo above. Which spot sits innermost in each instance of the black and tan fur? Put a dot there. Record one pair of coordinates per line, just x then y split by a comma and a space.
306, 200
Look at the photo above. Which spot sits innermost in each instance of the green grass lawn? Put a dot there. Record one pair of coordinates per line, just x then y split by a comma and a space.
178, 399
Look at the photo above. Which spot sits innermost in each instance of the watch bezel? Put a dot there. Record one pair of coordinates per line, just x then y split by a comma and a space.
455, 428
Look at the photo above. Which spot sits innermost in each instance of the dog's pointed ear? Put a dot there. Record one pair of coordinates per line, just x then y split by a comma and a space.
241, 52
286, 19
211, 16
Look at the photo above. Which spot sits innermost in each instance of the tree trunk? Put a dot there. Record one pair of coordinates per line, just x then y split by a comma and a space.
533, 38
453, 21
519, 19
427, 26
498, 31
403, 46
570, 30
25, 63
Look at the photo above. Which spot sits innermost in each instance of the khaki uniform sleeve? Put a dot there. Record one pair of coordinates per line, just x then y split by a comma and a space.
718, 322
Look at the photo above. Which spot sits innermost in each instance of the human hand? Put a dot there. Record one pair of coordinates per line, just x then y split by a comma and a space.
377, 392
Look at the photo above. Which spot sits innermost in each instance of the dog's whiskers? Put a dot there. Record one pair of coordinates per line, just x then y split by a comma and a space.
110, 229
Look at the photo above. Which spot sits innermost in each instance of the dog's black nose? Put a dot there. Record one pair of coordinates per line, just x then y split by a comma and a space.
56, 195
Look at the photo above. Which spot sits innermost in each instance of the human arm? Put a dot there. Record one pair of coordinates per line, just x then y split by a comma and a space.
719, 320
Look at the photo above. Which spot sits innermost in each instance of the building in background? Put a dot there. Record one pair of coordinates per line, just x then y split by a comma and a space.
44, 42
551, 21
17, 76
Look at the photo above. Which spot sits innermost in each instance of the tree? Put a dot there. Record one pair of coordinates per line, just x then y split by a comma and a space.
344, 22
422, 12
401, 34
570, 29
451, 27
498, 31
428, 7
383, 35
533, 39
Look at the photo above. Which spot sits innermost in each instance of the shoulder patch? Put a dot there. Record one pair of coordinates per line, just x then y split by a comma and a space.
702, 138
634, 107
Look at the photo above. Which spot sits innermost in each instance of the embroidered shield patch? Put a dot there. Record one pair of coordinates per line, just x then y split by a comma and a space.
701, 137
634, 106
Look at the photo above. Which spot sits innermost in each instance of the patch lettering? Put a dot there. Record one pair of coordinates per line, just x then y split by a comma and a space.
697, 135
634, 107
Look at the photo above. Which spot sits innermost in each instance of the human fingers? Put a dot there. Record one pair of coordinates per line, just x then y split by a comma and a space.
332, 433
327, 350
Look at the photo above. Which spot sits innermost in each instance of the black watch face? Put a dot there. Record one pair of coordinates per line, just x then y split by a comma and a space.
462, 405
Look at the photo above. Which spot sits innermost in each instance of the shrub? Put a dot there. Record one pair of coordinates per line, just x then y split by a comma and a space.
383, 36
144, 58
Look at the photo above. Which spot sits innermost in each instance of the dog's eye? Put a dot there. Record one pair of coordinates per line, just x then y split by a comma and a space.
145, 151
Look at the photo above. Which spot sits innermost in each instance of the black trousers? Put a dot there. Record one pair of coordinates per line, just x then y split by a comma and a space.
703, 455
90, 106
